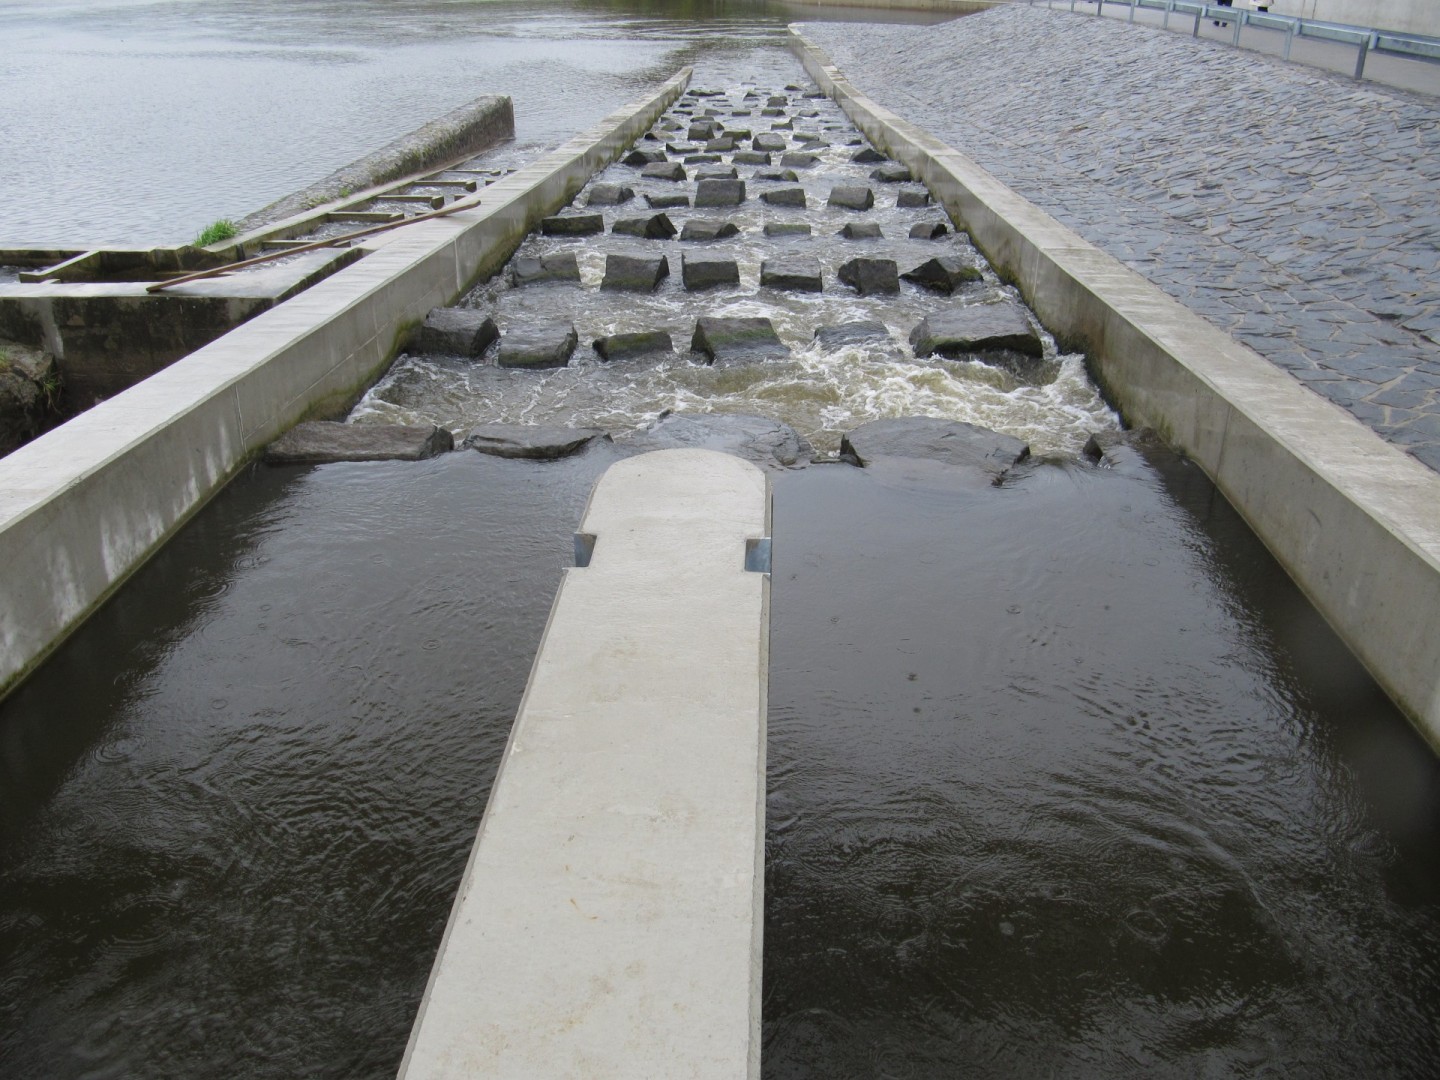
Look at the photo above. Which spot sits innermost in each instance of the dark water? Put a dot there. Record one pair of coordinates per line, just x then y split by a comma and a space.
1067, 779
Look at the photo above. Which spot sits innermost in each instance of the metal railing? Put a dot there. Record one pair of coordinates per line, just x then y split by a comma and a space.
1365, 39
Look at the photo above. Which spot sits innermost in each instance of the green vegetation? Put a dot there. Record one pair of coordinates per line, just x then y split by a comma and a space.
224, 229
4, 359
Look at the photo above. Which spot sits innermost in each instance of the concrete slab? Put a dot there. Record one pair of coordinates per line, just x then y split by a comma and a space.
609, 922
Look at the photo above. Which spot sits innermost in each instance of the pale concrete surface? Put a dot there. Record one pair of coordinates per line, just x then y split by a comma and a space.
1353, 520
1292, 209
609, 922
85, 504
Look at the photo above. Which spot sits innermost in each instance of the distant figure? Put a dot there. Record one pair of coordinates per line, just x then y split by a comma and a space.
1223, 3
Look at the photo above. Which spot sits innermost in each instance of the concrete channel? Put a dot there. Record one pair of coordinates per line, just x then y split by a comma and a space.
1354, 520
85, 504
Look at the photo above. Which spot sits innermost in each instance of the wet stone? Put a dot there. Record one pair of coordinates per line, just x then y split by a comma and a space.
948, 442
649, 227
717, 172
700, 272
666, 170
768, 443
928, 230
815, 144
533, 442
702, 131
573, 224
629, 346
538, 347
782, 125
798, 161
720, 146
785, 176
979, 328
944, 275
528, 270
643, 157
861, 230
738, 134
703, 159
864, 332
681, 149
708, 229
867, 156
719, 193
772, 110
635, 273
850, 197
799, 273
456, 332
790, 196
892, 174
667, 202
911, 200
736, 339
609, 195
787, 228
776, 102
870, 276
750, 157
768, 142
317, 442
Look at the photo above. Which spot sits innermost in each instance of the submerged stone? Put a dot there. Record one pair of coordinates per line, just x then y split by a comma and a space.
978, 328
912, 200
719, 193
800, 273
769, 443
944, 274
717, 172
862, 230
317, 442
642, 157
870, 276
851, 197
852, 333
701, 272
703, 159
572, 224
949, 442
538, 347
708, 229
786, 176
650, 227
628, 346
894, 173
798, 161
867, 156
736, 339
609, 195
457, 332
667, 202
634, 273
528, 270
535, 442
928, 230
787, 228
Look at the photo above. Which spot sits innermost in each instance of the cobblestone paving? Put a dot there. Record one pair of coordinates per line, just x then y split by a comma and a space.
1295, 209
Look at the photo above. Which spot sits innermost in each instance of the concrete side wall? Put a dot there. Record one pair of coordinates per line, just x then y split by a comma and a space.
85, 504
1408, 16
458, 134
956, 7
609, 923
1354, 521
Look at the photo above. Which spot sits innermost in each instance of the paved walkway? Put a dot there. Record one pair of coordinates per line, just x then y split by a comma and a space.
1295, 209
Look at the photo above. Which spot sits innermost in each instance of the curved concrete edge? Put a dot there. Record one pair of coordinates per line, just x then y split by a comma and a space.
1354, 520
609, 922
84, 505
459, 134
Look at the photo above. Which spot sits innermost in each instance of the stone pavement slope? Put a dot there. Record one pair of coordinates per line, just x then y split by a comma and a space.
1297, 210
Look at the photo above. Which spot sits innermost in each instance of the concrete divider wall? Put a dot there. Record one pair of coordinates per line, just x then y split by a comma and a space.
1355, 521
85, 504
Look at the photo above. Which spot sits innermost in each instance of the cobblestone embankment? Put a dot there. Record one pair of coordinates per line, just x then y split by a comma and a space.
1294, 209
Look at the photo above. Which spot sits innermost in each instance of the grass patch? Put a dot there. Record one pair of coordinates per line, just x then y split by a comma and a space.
216, 231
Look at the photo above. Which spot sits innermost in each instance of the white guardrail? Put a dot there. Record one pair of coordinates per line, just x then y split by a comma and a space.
1365, 39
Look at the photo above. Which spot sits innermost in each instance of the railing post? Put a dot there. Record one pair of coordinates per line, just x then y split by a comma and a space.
1132, 11
1365, 46
1289, 37
1169, 7
1199, 14
1099, 7
1239, 21
1072, 7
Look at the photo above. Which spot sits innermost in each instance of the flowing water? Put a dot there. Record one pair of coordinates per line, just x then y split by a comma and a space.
1065, 777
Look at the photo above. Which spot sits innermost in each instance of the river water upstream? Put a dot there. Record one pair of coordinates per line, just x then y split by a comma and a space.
1065, 777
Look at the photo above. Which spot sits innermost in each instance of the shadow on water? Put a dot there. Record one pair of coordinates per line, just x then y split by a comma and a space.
1067, 779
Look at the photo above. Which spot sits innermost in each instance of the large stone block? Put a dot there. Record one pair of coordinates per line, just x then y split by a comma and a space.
870, 276
317, 442
799, 273
535, 442
456, 332
944, 274
664, 170
790, 196
851, 197
977, 328
700, 229
529, 270
948, 442
573, 224
719, 193
700, 272
648, 227
538, 347
609, 195
629, 346
864, 332
634, 273
743, 340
